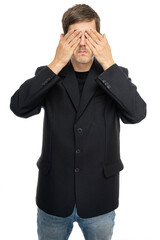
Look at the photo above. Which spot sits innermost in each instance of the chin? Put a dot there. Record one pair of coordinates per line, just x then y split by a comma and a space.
82, 59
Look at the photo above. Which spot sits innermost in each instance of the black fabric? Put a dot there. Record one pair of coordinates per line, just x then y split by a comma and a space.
81, 78
80, 158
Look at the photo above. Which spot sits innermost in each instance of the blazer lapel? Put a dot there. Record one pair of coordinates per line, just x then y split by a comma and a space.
71, 84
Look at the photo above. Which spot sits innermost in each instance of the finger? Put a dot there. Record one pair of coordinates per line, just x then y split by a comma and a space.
94, 44
93, 36
93, 49
72, 36
73, 47
68, 34
76, 35
98, 35
75, 39
105, 37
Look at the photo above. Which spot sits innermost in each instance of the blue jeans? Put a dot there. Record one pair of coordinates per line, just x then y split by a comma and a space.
50, 227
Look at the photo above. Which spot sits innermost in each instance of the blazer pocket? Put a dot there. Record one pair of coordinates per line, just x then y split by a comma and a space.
111, 169
43, 165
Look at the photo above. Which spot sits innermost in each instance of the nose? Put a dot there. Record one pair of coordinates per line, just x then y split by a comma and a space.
83, 40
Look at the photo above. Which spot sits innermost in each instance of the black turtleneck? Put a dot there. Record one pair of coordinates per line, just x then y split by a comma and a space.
81, 77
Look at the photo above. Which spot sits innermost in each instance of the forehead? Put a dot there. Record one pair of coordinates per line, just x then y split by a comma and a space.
83, 25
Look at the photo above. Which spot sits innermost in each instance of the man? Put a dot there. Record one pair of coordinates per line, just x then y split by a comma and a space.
84, 94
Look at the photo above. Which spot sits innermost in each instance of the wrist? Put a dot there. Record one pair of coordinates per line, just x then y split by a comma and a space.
108, 64
55, 66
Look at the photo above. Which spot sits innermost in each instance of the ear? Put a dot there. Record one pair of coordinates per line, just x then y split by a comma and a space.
61, 36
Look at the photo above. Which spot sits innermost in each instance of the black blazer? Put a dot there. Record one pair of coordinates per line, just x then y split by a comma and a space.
80, 157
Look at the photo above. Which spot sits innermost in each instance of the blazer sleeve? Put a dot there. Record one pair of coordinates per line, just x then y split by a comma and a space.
30, 97
131, 108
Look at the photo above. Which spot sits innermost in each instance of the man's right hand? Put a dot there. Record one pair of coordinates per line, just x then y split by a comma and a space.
65, 49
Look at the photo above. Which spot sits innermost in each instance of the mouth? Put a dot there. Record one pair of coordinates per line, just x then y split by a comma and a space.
84, 52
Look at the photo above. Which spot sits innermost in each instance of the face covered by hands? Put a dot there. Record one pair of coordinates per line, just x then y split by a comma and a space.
99, 45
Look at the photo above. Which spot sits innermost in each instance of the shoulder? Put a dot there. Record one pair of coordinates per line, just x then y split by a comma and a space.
124, 69
39, 69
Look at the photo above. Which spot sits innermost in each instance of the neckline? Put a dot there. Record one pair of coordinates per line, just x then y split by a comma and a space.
82, 72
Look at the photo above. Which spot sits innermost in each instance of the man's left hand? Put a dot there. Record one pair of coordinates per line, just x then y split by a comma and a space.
98, 44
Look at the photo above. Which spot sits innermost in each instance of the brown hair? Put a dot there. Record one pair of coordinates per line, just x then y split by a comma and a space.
79, 13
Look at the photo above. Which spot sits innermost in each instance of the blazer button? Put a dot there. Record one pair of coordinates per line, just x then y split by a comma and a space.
77, 150
79, 130
104, 81
76, 169
107, 85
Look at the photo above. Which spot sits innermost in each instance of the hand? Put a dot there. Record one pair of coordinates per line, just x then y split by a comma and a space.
98, 44
66, 46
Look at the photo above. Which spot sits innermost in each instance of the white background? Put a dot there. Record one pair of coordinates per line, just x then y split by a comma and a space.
30, 32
